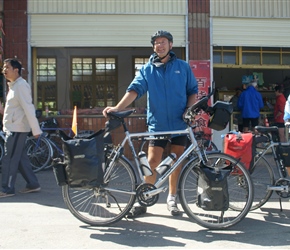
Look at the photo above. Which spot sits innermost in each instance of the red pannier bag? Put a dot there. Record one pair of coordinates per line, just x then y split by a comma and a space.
241, 146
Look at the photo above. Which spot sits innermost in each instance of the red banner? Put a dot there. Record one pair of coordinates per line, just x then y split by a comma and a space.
201, 71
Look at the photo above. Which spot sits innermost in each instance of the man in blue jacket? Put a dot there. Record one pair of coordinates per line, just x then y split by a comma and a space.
171, 87
250, 102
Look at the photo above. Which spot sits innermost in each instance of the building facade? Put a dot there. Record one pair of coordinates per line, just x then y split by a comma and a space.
85, 53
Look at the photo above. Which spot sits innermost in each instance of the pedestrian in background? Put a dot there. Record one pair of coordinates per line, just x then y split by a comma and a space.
238, 117
171, 88
279, 112
18, 120
250, 103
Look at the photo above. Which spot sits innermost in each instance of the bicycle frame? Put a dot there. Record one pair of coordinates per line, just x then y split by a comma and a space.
150, 135
273, 145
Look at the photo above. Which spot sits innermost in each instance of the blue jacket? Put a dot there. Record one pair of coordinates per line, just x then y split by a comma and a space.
167, 87
250, 102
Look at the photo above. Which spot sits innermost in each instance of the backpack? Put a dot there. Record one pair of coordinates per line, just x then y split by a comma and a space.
212, 190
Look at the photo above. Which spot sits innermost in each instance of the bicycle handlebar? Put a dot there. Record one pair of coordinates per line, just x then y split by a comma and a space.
201, 104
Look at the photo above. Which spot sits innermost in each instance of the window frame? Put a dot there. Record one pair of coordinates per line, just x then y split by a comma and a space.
241, 53
96, 90
47, 89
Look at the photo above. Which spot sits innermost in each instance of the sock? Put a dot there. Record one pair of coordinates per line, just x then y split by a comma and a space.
171, 198
137, 204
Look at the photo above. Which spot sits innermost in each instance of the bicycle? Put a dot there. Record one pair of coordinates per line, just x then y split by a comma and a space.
123, 182
265, 180
47, 146
204, 140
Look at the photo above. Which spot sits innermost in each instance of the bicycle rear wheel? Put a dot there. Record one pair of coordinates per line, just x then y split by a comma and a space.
240, 190
262, 175
107, 204
39, 152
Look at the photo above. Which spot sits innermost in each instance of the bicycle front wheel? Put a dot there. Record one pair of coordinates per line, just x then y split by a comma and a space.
39, 152
101, 206
240, 191
262, 176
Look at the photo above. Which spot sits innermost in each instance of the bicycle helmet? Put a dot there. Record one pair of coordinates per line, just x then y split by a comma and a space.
161, 33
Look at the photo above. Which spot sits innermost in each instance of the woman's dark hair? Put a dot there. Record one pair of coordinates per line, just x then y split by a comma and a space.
15, 64
279, 88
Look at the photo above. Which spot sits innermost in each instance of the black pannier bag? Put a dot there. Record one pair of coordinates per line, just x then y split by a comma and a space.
212, 190
221, 114
84, 160
59, 172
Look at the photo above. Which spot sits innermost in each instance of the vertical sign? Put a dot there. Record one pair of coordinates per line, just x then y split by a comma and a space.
201, 71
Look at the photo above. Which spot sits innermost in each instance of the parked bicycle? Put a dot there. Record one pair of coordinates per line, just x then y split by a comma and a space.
265, 179
123, 182
47, 146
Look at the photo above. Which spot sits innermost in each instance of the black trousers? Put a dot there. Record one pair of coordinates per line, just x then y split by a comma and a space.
14, 159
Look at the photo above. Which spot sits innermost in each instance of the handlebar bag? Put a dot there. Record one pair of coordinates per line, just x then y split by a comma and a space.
84, 159
212, 190
220, 115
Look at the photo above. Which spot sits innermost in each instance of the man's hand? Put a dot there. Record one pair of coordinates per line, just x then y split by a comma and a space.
36, 136
188, 118
109, 109
287, 124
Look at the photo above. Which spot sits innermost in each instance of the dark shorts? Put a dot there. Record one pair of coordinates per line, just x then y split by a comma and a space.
279, 124
254, 122
178, 140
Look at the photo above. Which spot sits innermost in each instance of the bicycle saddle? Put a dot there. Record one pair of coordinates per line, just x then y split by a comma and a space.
262, 129
120, 114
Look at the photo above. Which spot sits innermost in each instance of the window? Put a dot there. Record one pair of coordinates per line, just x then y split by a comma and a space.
94, 82
224, 55
46, 84
139, 62
242, 56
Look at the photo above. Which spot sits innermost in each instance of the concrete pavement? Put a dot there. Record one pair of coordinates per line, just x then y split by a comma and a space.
41, 221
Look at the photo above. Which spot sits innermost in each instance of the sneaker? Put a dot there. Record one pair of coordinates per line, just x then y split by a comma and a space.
172, 208
136, 211
3, 195
29, 190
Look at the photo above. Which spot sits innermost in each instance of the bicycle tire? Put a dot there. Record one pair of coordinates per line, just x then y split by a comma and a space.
104, 205
39, 152
262, 176
240, 189
56, 146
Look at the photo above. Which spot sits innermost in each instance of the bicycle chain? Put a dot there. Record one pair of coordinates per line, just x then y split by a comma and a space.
142, 199
286, 184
